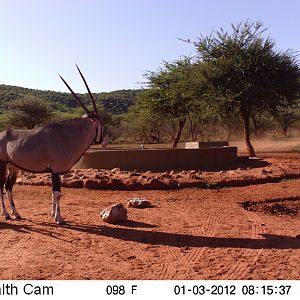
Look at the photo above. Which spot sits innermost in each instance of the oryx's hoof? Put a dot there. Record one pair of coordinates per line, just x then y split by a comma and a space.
6, 216
18, 218
61, 222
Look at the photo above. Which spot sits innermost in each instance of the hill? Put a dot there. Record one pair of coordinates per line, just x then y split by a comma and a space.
115, 102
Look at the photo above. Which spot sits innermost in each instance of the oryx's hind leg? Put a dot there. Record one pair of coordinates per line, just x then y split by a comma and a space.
56, 194
2, 182
10, 181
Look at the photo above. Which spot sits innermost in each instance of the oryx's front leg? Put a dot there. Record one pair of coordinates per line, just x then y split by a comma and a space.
3, 209
2, 182
56, 194
10, 181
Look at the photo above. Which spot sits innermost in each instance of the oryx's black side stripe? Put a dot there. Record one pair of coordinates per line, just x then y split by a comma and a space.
55, 182
48, 170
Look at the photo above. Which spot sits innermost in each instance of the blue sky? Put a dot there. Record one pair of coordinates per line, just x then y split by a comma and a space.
115, 41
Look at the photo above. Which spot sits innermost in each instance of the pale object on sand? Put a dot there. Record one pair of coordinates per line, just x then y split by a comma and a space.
139, 203
116, 213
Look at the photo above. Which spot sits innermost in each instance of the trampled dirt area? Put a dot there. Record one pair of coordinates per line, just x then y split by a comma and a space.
217, 232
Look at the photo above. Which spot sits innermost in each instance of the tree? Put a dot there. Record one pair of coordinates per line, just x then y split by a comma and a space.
28, 112
260, 118
171, 92
201, 116
144, 122
286, 117
244, 67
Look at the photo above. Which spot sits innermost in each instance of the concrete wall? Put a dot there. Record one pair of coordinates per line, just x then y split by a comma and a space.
159, 159
203, 145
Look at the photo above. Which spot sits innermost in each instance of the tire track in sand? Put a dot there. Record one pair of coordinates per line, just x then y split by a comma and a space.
206, 229
4, 240
178, 263
172, 259
248, 256
17, 249
14, 248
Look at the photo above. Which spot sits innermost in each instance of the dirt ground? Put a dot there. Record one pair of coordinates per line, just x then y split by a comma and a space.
244, 232
270, 145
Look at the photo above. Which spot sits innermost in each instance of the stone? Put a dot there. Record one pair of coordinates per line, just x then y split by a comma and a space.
99, 176
19, 180
192, 172
153, 184
134, 174
116, 213
116, 184
193, 176
67, 176
139, 203
176, 176
95, 184
267, 171
165, 175
74, 183
132, 184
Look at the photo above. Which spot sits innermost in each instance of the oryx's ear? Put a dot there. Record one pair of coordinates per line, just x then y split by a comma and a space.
75, 96
88, 89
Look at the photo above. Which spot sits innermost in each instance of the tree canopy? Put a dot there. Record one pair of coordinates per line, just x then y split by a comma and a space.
172, 91
245, 68
28, 112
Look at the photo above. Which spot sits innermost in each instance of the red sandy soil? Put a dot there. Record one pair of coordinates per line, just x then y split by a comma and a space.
246, 232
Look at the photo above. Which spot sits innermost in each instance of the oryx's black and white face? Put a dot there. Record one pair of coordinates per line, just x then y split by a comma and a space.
92, 115
100, 138
99, 128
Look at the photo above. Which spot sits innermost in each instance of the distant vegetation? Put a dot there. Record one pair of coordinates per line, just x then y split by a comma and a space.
116, 102
237, 84
17, 103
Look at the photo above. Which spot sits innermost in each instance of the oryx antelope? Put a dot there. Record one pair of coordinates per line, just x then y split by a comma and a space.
52, 148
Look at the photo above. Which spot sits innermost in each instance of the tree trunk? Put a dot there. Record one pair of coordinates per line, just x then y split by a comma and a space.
256, 128
256, 120
246, 119
172, 130
285, 130
229, 133
158, 136
193, 134
178, 133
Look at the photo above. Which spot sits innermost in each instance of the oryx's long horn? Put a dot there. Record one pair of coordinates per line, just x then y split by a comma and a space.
75, 96
91, 96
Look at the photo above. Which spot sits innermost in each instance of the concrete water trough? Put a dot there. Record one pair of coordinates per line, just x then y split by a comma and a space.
159, 159
205, 144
